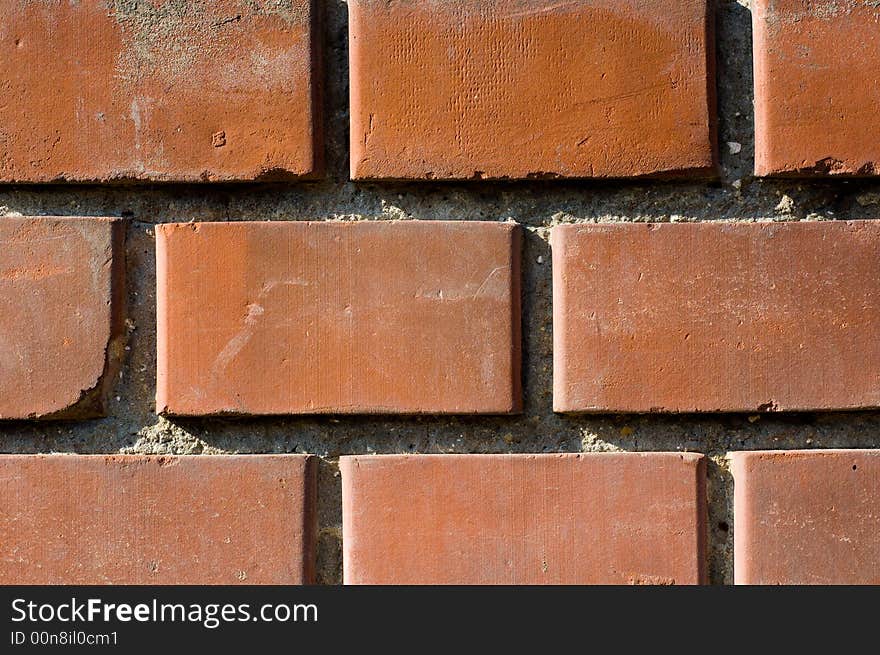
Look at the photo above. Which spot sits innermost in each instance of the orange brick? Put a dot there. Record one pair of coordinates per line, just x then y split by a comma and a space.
117, 519
184, 91
816, 67
530, 88
317, 318
807, 517
715, 317
613, 518
61, 322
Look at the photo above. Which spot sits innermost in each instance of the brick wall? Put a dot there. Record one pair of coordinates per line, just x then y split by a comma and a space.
538, 291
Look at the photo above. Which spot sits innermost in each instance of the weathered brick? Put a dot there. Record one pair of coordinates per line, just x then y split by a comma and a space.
530, 88
613, 518
61, 331
816, 67
367, 317
807, 517
197, 90
716, 317
117, 519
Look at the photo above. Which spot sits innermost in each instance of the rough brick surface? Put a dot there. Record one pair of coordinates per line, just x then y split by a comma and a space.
807, 517
815, 98
61, 311
73, 519
370, 317
196, 90
619, 518
530, 88
716, 317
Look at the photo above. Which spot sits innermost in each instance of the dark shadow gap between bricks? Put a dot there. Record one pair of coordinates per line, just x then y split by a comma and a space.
759, 200
735, 90
719, 522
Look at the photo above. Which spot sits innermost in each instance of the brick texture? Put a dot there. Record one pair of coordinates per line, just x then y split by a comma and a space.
815, 103
807, 517
369, 317
716, 317
605, 88
106, 90
75, 519
61, 313
619, 518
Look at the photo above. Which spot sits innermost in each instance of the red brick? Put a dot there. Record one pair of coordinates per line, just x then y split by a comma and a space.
189, 91
807, 517
62, 304
716, 317
317, 318
621, 518
816, 67
530, 88
116, 519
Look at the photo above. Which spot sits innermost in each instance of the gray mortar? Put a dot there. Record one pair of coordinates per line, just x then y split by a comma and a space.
133, 427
